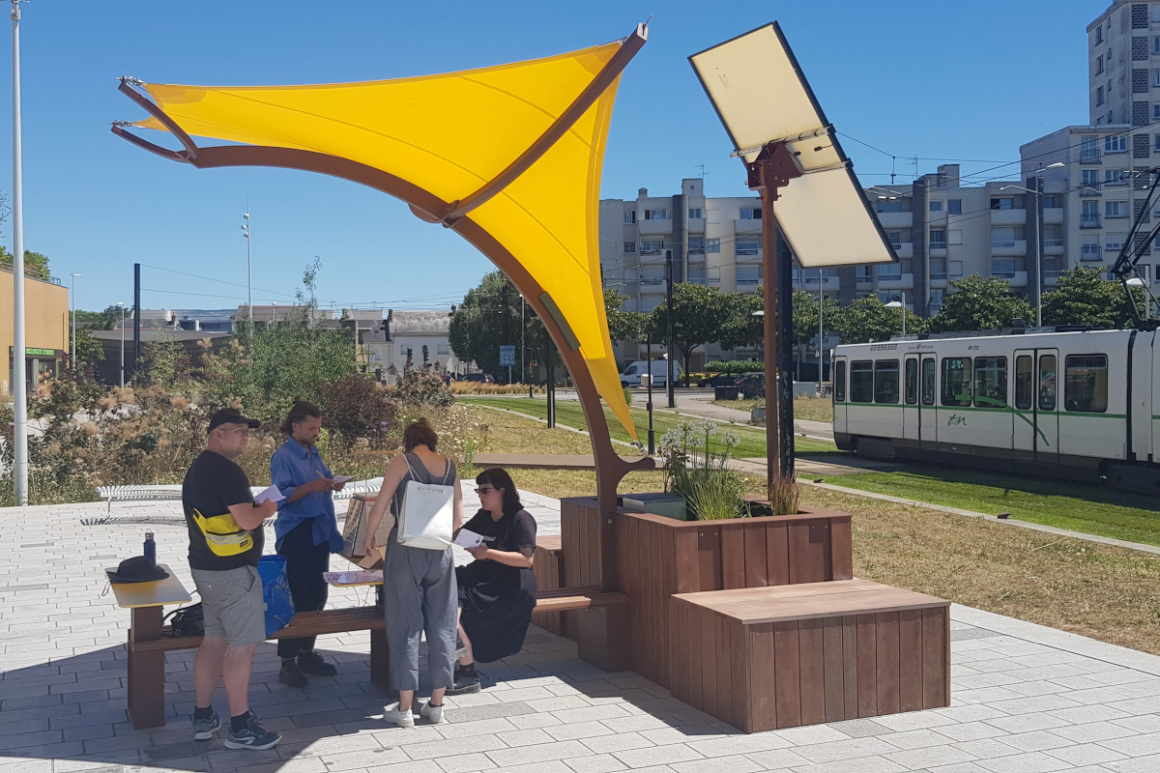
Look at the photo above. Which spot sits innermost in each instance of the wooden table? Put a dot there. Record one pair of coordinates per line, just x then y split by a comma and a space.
789, 655
146, 668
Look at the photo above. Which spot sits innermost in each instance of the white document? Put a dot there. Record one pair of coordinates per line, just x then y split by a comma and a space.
272, 494
342, 478
468, 539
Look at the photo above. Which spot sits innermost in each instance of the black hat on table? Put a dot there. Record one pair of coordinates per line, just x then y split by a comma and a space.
231, 416
137, 569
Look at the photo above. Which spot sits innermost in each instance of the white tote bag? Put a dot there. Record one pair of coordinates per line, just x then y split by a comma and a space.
426, 516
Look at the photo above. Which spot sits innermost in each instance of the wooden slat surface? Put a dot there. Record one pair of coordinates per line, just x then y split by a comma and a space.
304, 624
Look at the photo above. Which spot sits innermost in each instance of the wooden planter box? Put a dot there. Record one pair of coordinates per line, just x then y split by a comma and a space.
650, 558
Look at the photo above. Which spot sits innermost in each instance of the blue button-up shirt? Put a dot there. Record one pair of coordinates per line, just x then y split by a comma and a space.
290, 467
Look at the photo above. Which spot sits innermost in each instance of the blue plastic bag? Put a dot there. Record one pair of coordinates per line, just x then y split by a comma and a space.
276, 593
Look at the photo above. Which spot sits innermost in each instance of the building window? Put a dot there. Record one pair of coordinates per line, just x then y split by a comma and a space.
1115, 143
955, 238
954, 268
1139, 49
749, 275
695, 214
956, 381
1139, 16
652, 247
697, 275
1089, 149
1100, 64
1091, 248
938, 239
840, 381
696, 244
1004, 237
1114, 242
630, 217
747, 248
1086, 388
1099, 35
1090, 215
1115, 209
1024, 383
751, 214
712, 245
895, 238
889, 272
1156, 139
443, 349
1156, 14
630, 246
1004, 202
1155, 44
1090, 179
936, 206
1003, 267
656, 214
955, 206
1099, 95
936, 300
1114, 177
1052, 235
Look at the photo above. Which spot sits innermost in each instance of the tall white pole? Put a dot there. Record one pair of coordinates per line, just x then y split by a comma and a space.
1039, 255
73, 296
249, 267
122, 305
821, 325
19, 385
904, 312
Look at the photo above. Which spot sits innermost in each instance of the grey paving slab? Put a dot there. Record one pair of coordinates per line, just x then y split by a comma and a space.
1024, 697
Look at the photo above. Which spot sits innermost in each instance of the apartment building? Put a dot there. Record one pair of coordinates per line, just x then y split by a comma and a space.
1124, 66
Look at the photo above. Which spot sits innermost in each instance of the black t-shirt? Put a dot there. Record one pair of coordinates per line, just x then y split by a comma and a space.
509, 534
212, 484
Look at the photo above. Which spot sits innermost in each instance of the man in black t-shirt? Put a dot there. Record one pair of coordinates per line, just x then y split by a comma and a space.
225, 545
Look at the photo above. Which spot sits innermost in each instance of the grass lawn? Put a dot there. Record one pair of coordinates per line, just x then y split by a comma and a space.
569, 413
1054, 503
808, 408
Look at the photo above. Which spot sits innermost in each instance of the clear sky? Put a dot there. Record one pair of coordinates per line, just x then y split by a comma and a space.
967, 81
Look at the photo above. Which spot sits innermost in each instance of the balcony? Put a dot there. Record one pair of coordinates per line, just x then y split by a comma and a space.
896, 281
1090, 156
904, 250
1054, 247
1051, 278
696, 225
1009, 248
863, 280
938, 281
937, 218
1008, 216
1053, 216
1091, 253
829, 282
1016, 278
1089, 221
654, 227
896, 219
747, 226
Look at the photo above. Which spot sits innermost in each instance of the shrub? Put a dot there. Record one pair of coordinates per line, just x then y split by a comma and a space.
734, 366
356, 407
417, 388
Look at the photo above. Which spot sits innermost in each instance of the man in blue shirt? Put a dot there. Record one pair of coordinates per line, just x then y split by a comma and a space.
307, 533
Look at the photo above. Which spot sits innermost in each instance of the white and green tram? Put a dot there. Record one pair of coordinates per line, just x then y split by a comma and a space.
1074, 404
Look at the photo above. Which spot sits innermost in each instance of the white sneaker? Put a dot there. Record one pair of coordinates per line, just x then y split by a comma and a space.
401, 718
433, 713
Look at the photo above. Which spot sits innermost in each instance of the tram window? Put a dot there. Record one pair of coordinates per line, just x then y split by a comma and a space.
928, 381
862, 381
1047, 382
911, 382
1086, 388
956, 381
886, 381
840, 381
991, 382
1024, 383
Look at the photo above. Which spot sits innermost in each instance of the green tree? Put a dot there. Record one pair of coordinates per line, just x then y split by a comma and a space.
979, 303
624, 326
741, 328
490, 317
1084, 297
35, 263
805, 316
699, 314
89, 349
869, 319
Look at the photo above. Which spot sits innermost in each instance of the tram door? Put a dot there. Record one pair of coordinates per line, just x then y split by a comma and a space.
1023, 414
928, 424
911, 415
1047, 407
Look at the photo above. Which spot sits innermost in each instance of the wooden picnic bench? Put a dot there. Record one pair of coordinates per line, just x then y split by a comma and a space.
149, 640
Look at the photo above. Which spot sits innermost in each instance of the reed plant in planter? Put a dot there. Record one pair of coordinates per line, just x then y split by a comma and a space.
697, 468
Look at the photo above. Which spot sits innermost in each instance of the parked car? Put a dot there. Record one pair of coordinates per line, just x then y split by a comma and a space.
752, 385
721, 379
660, 372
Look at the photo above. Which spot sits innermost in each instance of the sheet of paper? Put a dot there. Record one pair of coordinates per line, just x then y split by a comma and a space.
272, 494
342, 478
468, 539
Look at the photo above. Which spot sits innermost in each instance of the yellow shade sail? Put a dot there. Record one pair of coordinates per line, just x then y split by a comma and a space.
453, 136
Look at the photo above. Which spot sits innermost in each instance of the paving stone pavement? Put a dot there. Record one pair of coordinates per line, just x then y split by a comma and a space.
1025, 698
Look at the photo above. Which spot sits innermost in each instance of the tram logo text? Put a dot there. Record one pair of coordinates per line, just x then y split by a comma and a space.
955, 420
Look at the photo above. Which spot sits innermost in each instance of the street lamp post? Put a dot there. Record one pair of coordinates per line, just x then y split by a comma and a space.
275, 313
1039, 283
249, 267
122, 305
19, 362
73, 296
901, 305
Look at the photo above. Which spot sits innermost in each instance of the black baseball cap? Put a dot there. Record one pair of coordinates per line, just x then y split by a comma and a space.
136, 569
231, 416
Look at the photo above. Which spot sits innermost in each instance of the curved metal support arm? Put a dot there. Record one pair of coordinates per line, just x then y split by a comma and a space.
611, 71
127, 89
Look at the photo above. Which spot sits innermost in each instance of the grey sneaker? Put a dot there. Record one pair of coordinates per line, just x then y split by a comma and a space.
434, 714
203, 729
397, 716
253, 737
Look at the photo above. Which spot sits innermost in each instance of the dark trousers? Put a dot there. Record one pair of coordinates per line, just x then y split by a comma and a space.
305, 563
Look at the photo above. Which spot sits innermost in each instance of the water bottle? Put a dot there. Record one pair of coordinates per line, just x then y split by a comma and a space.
150, 548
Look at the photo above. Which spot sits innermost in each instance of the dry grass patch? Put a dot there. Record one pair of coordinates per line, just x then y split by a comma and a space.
582, 483
1106, 593
509, 434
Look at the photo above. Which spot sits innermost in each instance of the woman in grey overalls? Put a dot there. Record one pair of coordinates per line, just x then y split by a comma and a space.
419, 588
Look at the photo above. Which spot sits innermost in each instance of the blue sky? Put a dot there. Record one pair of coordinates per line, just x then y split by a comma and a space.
940, 81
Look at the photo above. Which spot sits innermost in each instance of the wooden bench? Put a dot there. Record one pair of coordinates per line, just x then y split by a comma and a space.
783, 656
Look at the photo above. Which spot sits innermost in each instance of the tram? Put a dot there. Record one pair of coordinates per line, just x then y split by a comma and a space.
1074, 404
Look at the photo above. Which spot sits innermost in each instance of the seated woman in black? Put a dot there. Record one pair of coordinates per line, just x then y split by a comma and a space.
497, 591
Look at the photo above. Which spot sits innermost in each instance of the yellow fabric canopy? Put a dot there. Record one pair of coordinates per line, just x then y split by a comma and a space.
451, 135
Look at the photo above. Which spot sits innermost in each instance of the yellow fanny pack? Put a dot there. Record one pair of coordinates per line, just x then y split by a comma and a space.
223, 535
